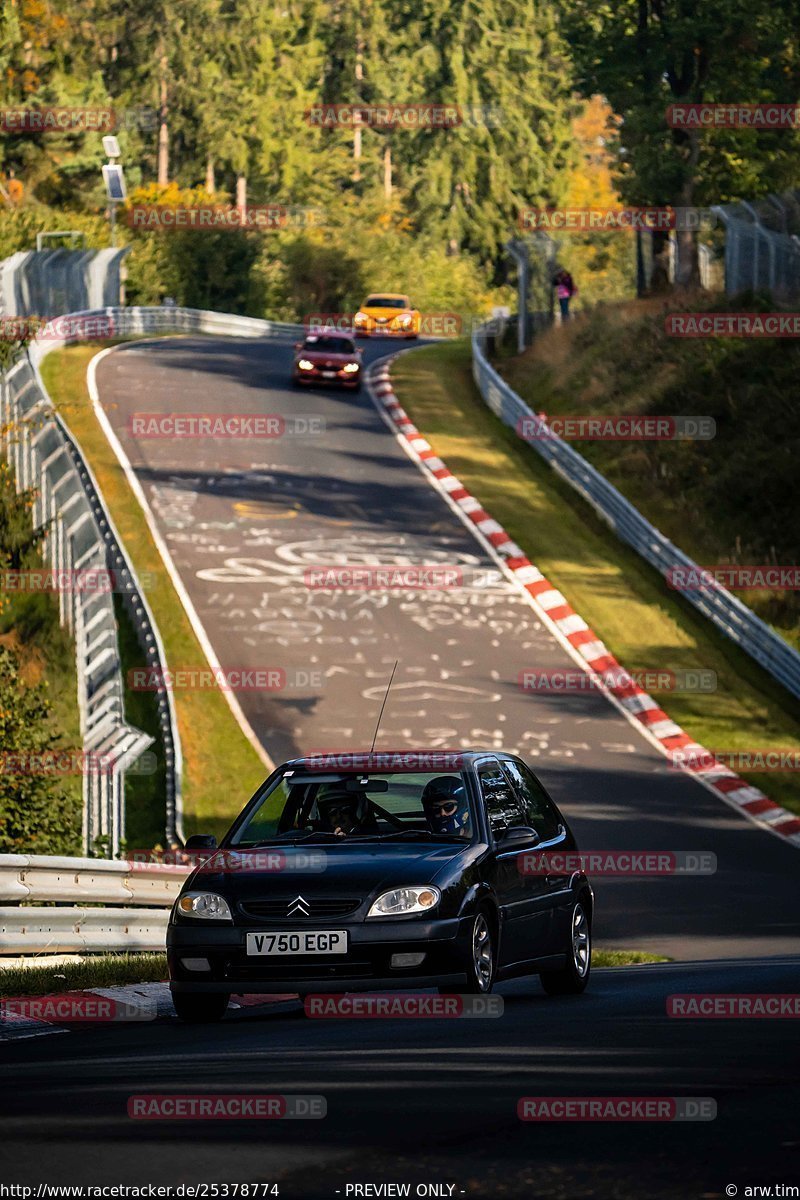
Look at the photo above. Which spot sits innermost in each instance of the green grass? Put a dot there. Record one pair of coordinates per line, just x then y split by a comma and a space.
221, 769
733, 498
645, 624
112, 969
102, 970
625, 958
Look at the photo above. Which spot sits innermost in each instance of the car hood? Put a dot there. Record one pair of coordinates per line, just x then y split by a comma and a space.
318, 356
358, 869
389, 313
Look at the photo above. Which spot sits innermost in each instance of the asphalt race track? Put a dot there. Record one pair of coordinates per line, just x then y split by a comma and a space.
434, 1100
429, 1100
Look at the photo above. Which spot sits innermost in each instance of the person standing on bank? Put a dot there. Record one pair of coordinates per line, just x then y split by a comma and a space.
565, 290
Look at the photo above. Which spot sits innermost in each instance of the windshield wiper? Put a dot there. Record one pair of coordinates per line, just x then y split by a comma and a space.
290, 838
423, 833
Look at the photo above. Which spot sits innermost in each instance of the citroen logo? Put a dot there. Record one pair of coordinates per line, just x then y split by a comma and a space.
298, 907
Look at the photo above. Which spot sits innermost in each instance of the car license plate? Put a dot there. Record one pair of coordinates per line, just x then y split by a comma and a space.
328, 941
328, 374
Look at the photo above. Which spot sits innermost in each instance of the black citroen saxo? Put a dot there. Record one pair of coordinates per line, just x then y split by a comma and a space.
383, 872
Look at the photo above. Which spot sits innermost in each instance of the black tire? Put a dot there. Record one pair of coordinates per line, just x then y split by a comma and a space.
200, 1008
481, 966
572, 979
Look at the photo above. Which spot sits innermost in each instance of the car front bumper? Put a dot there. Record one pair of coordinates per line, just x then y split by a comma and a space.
365, 967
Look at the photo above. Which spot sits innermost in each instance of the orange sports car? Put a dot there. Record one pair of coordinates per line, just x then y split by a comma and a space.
388, 315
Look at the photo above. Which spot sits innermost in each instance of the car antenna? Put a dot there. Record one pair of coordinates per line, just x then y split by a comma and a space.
383, 706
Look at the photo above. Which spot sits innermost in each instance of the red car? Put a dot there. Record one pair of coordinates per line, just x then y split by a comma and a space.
327, 358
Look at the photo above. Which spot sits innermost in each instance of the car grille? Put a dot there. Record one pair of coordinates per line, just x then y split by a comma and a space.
320, 908
289, 969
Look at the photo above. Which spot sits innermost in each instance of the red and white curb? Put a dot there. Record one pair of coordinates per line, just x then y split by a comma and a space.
581, 642
35, 1016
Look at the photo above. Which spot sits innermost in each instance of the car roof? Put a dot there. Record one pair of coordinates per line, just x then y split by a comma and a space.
387, 296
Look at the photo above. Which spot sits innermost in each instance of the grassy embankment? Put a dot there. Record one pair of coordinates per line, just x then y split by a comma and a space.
644, 623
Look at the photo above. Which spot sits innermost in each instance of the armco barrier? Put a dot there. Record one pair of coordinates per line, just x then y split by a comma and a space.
78, 537
44, 282
81, 534
138, 897
729, 614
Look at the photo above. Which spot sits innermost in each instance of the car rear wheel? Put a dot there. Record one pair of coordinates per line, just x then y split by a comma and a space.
572, 979
200, 1008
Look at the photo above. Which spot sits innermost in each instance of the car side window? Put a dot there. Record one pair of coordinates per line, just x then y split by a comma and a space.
503, 809
539, 811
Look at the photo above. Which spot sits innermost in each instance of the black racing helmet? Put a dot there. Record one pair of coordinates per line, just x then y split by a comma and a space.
445, 802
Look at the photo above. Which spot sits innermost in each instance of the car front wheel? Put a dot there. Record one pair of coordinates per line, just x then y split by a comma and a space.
200, 1008
482, 961
572, 979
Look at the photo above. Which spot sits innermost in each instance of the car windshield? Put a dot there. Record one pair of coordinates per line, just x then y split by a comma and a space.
307, 807
330, 345
387, 302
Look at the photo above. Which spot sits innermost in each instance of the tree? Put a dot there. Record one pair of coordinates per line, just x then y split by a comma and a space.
643, 55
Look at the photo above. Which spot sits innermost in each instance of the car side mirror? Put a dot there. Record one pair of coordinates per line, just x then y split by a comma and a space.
201, 841
517, 835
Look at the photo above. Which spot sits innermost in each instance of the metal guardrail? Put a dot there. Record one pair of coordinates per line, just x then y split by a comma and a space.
81, 535
138, 897
77, 535
44, 282
127, 322
728, 614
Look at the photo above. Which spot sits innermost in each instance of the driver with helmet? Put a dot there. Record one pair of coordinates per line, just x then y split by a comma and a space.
444, 800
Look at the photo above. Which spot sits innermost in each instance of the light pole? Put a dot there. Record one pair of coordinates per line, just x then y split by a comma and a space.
114, 180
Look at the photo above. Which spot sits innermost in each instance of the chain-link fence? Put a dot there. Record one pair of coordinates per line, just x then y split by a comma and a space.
762, 245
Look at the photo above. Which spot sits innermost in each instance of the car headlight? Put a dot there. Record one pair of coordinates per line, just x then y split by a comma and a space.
206, 905
305, 365
360, 318
401, 901
405, 319
350, 367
